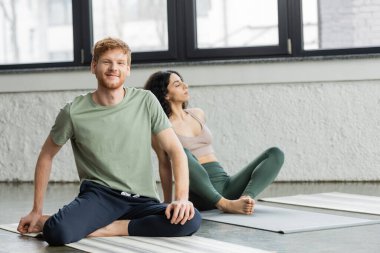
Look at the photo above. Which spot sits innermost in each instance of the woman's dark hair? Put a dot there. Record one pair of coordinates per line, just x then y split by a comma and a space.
158, 83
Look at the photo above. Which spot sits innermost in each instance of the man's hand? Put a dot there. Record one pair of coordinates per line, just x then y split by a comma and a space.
182, 211
30, 223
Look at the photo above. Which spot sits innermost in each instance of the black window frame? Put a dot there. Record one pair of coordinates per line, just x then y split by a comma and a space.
182, 39
234, 52
172, 52
296, 36
81, 33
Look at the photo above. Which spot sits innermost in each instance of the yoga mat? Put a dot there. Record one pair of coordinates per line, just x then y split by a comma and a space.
13, 228
285, 221
333, 200
139, 244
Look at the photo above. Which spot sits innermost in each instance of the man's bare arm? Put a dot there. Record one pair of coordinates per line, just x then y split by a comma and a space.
165, 170
183, 209
28, 224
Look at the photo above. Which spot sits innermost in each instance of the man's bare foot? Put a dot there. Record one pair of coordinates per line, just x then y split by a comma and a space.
116, 228
243, 205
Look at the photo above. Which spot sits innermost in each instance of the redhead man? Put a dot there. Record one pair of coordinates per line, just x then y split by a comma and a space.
110, 130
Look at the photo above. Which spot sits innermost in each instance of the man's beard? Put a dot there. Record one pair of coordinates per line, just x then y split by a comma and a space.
110, 84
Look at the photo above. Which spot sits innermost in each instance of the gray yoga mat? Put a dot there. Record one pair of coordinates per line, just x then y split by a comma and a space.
285, 221
333, 200
141, 244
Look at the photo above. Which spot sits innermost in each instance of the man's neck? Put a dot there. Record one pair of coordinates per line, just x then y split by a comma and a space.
107, 97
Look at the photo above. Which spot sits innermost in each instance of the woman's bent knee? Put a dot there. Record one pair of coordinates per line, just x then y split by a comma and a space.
277, 154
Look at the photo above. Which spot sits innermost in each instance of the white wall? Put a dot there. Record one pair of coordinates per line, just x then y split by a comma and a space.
323, 114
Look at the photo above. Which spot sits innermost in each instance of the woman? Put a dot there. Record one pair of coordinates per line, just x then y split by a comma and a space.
210, 186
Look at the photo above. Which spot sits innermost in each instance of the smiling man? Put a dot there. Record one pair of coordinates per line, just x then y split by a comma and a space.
110, 131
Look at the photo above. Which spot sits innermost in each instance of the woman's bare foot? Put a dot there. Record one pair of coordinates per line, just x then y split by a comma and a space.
243, 205
252, 210
116, 228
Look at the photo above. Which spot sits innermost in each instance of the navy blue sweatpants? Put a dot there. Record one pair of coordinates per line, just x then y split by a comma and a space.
97, 206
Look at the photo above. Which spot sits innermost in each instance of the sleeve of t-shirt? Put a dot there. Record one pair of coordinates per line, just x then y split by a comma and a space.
158, 118
62, 129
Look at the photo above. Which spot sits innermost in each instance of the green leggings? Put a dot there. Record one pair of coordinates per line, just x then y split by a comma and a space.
209, 182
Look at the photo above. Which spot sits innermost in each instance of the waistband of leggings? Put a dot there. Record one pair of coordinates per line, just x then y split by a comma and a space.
106, 188
213, 166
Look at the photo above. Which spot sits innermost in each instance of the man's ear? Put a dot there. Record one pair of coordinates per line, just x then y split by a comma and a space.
93, 66
128, 72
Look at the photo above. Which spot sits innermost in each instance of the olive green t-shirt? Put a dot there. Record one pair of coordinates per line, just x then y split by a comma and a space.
112, 144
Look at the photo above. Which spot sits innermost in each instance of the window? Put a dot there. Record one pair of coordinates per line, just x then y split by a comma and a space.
336, 25
51, 33
142, 23
236, 29
310, 24
36, 31
231, 23
59, 12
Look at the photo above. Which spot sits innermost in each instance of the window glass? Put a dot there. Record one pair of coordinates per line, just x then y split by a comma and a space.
36, 31
231, 23
140, 23
339, 24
